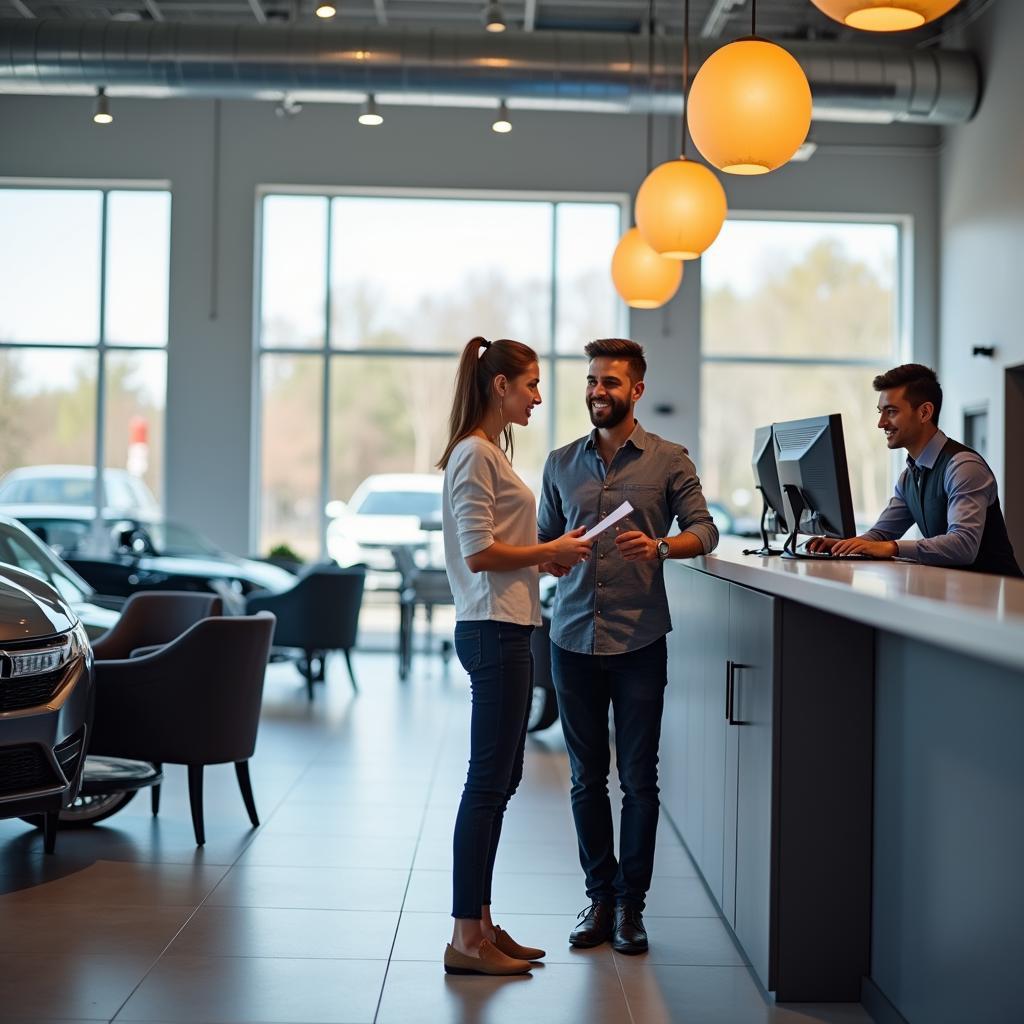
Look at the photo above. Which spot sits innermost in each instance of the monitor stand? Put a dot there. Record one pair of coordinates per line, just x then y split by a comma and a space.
798, 506
765, 548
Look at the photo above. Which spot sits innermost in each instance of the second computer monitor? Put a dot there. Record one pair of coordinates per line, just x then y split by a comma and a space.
766, 474
811, 459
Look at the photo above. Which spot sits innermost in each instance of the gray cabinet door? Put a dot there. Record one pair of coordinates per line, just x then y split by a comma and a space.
753, 649
679, 584
714, 640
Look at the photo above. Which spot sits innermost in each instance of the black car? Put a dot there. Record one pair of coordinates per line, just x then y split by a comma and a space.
123, 555
46, 699
22, 549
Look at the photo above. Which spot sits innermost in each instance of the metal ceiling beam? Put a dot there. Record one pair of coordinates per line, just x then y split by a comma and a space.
257, 10
718, 16
154, 10
22, 9
382, 13
530, 16
874, 81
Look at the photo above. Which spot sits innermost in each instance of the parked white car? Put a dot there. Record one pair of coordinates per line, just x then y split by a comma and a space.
388, 510
124, 493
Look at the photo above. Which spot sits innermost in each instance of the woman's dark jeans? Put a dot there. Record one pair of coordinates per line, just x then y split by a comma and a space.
497, 657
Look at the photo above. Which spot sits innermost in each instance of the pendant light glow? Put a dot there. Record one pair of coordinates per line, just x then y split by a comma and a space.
885, 15
642, 278
680, 209
750, 107
326, 10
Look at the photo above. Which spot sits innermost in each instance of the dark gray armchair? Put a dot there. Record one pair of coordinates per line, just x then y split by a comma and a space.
152, 618
194, 701
317, 615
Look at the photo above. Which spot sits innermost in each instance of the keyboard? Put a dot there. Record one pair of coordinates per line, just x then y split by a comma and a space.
827, 556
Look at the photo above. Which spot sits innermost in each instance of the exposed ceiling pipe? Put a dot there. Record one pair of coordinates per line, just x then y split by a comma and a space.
542, 70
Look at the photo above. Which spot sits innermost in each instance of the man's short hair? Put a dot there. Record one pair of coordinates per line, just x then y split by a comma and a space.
919, 382
620, 348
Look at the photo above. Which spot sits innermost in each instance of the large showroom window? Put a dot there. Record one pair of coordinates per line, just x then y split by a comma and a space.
798, 317
83, 337
365, 302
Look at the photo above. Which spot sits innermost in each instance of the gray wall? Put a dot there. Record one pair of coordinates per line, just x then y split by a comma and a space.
210, 366
982, 237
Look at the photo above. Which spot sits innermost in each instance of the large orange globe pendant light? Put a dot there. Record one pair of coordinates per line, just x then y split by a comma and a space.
750, 106
681, 206
644, 279
885, 15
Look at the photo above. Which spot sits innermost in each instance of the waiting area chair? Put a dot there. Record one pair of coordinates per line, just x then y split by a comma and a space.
428, 587
194, 701
153, 618
319, 614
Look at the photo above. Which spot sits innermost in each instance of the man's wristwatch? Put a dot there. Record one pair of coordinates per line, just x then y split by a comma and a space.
662, 549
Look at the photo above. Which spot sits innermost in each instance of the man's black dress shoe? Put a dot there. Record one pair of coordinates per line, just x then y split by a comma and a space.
596, 926
630, 936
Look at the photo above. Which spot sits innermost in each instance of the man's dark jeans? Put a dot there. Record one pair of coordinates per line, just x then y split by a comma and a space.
497, 657
634, 684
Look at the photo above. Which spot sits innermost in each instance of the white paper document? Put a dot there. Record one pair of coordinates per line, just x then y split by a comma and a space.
609, 520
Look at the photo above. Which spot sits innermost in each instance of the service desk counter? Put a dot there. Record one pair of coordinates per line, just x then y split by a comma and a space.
842, 755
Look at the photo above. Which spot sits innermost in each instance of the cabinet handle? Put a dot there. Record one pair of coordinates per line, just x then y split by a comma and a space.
731, 693
728, 691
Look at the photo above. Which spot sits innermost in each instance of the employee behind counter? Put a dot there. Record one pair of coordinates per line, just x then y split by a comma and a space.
947, 489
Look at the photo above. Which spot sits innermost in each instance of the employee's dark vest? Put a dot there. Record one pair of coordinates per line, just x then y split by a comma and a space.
928, 504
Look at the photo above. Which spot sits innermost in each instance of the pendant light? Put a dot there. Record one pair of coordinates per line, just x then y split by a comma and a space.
101, 112
643, 278
681, 205
750, 105
502, 123
885, 15
370, 115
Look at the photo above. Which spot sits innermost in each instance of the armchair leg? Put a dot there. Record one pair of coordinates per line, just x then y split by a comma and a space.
155, 792
307, 671
195, 798
245, 785
351, 673
50, 819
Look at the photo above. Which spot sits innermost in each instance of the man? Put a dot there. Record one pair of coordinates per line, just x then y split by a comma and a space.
608, 629
947, 489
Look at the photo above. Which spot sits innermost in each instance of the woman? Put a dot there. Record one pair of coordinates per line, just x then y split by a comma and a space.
492, 555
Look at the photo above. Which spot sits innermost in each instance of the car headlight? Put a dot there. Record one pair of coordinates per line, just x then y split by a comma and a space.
73, 645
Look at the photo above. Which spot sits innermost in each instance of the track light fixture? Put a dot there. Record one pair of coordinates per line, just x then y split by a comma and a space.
326, 10
370, 115
502, 124
494, 17
101, 113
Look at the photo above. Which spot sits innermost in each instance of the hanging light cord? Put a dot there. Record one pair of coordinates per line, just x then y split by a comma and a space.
753, 17
650, 84
686, 68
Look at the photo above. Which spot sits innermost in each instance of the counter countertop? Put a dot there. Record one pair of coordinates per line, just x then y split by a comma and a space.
970, 612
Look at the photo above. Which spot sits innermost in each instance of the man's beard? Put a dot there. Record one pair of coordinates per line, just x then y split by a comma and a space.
617, 412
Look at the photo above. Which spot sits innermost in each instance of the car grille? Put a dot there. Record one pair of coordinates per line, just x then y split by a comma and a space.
16, 694
24, 768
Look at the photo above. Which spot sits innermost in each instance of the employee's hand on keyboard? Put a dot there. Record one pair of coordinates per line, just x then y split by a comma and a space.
862, 546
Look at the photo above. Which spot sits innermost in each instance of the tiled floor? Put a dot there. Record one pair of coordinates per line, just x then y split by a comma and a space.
336, 909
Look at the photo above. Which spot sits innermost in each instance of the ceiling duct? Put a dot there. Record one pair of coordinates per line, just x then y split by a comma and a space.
543, 70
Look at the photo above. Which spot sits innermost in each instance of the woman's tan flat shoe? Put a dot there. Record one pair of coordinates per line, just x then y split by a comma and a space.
511, 948
490, 961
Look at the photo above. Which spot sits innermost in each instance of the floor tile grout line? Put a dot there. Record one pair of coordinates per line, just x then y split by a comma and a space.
408, 882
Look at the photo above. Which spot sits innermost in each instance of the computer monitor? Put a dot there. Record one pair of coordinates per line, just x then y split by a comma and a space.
811, 460
766, 480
